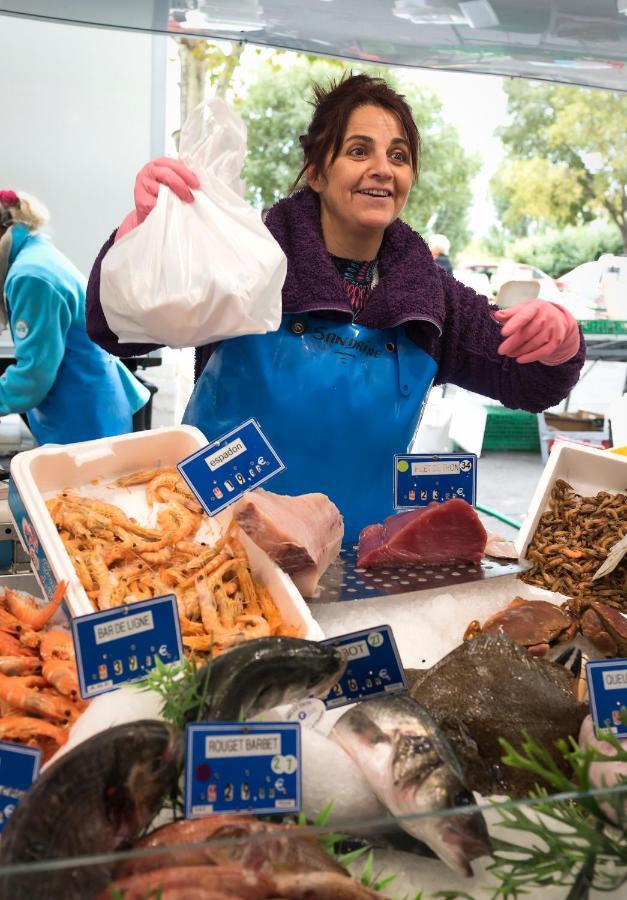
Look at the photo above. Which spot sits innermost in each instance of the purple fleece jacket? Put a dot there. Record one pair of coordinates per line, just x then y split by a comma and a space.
444, 317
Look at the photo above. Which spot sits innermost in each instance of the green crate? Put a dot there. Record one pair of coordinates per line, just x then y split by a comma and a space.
603, 326
511, 429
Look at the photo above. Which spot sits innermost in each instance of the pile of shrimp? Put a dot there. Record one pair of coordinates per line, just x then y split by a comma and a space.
39, 693
119, 561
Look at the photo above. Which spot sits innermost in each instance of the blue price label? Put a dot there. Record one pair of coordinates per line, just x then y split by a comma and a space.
242, 767
118, 646
422, 478
373, 666
19, 767
607, 689
235, 463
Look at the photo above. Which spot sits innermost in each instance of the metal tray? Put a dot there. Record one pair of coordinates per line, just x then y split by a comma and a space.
343, 580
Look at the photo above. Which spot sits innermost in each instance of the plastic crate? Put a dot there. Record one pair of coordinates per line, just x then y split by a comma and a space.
511, 429
603, 326
548, 436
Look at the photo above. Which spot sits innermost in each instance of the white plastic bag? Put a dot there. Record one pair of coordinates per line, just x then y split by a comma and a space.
198, 272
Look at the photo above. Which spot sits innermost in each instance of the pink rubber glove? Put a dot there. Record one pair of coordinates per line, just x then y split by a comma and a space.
159, 171
538, 331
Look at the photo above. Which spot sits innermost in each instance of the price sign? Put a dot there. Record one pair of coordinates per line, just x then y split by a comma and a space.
251, 767
221, 472
607, 689
373, 666
118, 646
19, 767
422, 478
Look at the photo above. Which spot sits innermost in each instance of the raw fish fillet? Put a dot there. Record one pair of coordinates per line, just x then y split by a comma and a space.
438, 533
303, 534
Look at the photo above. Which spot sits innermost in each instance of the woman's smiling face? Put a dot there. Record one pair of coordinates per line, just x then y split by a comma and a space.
365, 188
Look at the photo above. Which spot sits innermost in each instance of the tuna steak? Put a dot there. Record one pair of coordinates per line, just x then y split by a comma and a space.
303, 534
438, 533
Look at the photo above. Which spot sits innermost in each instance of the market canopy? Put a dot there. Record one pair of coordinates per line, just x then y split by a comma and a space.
581, 42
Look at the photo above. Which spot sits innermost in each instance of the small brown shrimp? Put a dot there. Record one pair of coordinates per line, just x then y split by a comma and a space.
19, 665
31, 613
56, 644
33, 701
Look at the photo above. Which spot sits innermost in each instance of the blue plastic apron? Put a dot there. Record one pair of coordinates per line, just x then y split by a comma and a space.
336, 400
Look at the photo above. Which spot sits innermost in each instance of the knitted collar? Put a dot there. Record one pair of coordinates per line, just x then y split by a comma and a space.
409, 288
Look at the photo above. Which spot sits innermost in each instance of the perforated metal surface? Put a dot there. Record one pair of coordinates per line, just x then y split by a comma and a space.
343, 580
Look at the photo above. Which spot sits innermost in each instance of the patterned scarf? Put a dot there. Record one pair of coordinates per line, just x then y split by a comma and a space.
359, 278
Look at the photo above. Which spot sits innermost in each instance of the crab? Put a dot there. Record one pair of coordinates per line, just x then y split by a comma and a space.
538, 625
605, 626
534, 624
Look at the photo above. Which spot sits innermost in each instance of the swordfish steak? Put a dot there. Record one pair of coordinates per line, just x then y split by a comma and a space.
302, 534
438, 533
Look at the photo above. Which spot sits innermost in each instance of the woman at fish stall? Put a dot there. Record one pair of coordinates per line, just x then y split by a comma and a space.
370, 321
68, 388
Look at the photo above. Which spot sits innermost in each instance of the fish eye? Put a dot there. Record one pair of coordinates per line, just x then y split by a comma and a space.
463, 798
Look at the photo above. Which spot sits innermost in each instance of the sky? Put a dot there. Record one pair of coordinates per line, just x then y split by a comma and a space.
474, 104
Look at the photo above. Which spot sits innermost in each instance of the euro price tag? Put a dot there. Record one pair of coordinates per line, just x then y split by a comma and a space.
119, 646
242, 767
373, 666
19, 767
423, 478
228, 467
607, 689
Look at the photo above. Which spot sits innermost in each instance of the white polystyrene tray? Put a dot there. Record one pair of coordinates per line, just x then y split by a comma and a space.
89, 467
586, 469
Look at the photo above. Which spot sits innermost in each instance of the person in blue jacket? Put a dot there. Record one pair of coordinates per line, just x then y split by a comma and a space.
68, 387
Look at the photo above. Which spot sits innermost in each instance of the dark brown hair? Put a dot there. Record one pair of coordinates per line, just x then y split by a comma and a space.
333, 108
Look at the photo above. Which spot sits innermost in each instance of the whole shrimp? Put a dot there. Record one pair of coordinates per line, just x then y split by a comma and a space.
31, 613
25, 728
56, 644
30, 700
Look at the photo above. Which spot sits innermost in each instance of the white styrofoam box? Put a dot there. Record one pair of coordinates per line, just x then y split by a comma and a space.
90, 467
586, 469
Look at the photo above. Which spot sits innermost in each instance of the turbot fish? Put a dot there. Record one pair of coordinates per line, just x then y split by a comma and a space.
490, 688
413, 770
268, 672
96, 799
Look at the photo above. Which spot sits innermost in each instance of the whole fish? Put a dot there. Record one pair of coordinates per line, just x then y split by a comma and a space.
412, 769
490, 688
96, 799
258, 675
228, 839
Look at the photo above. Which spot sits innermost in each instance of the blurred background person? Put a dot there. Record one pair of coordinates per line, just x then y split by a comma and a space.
68, 387
440, 246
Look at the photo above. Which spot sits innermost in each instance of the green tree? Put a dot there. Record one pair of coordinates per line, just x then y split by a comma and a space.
440, 201
277, 109
567, 160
